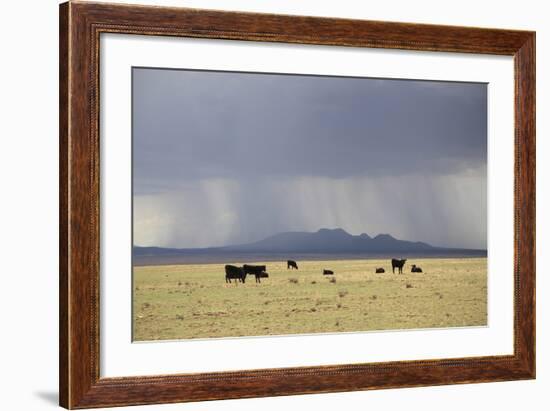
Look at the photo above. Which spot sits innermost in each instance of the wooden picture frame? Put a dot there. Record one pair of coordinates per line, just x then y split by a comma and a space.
80, 27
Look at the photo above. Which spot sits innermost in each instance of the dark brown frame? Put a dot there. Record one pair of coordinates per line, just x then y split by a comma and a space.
80, 27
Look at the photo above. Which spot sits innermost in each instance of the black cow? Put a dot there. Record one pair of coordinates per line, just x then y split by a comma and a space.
416, 269
328, 272
380, 271
236, 273
263, 274
397, 263
291, 263
256, 270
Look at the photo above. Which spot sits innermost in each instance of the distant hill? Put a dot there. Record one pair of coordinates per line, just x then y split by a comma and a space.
323, 244
330, 241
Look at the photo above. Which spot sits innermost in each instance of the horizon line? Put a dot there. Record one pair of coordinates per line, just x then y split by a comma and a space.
310, 232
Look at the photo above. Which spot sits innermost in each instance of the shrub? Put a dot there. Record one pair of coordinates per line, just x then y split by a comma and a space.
332, 280
293, 280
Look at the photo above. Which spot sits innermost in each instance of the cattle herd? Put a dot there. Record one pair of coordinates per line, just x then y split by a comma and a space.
239, 274
399, 264
233, 272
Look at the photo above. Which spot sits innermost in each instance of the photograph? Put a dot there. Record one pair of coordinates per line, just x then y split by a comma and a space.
269, 204
262, 204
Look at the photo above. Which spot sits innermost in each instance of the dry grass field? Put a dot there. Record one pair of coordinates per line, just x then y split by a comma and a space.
194, 301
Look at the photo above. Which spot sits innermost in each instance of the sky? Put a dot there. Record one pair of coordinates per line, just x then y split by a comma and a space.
222, 158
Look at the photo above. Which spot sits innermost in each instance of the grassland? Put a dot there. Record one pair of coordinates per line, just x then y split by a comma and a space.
193, 301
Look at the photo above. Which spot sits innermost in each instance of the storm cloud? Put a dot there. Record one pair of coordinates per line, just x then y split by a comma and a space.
225, 158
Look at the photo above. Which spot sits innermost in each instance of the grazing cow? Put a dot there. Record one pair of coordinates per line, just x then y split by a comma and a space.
397, 263
328, 272
236, 273
380, 271
256, 270
416, 269
252, 269
263, 274
291, 264
260, 275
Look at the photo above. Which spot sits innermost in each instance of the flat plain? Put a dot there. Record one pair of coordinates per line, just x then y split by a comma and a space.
194, 301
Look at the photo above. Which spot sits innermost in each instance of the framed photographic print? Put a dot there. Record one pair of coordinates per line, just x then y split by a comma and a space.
258, 205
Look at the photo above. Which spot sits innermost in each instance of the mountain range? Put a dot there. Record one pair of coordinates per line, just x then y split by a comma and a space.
323, 244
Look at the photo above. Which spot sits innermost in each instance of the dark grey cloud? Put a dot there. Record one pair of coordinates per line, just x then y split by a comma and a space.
196, 133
